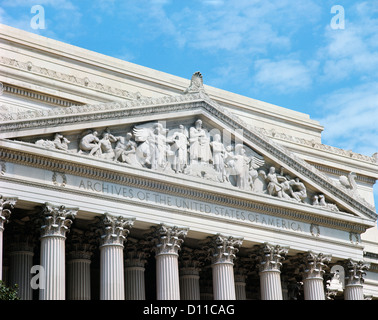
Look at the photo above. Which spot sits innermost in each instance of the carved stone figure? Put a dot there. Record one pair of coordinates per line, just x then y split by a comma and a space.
329, 206
349, 182
125, 149
90, 143
196, 83
199, 144
319, 200
274, 187
59, 143
106, 147
158, 147
241, 167
180, 149
253, 174
218, 155
153, 150
259, 183
229, 162
298, 190
337, 281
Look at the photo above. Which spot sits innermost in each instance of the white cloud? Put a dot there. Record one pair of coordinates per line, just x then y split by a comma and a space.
213, 25
352, 52
350, 118
62, 17
284, 76
62, 4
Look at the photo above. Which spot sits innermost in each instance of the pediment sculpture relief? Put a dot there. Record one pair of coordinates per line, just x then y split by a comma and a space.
59, 142
196, 151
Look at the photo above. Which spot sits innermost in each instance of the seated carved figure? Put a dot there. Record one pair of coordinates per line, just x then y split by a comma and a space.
298, 190
125, 148
90, 143
106, 148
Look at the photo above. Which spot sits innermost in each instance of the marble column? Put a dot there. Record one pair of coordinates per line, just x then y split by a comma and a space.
189, 262
313, 282
80, 246
113, 234
240, 275
137, 252
20, 264
270, 257
206, 283
168, 240
53, 236
79, 273
223, 249
6, 205
354, 279
240, 293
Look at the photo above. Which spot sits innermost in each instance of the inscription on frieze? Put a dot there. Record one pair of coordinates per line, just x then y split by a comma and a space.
213, 207
184, 204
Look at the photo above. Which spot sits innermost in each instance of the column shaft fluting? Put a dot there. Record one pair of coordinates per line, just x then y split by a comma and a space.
271, 257
137, 252
354, 292
113, 235
21, 262
189, 284
313, 282
354, 279
53, 264
270, 285
240, 293
223, 250
6, 205
313, 289
79, 279
167, 277
135, 283
168, 240
112, 273
223, 281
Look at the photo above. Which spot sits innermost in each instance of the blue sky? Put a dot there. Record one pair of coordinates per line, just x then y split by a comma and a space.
285, 52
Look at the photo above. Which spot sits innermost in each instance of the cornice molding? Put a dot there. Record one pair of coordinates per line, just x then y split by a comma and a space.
68, 78
34, 95
339, 172
317, 145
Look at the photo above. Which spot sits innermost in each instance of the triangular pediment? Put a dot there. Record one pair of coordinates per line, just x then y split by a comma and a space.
164, 135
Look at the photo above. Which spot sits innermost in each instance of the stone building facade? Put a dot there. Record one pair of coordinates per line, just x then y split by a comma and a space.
120, 182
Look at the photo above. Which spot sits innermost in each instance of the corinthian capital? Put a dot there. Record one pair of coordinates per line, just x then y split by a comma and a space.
81, 244
271, 257
355, 272
314, 264
114, 230
168, 239
6, 205
56, 220
137, 252
223, 248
